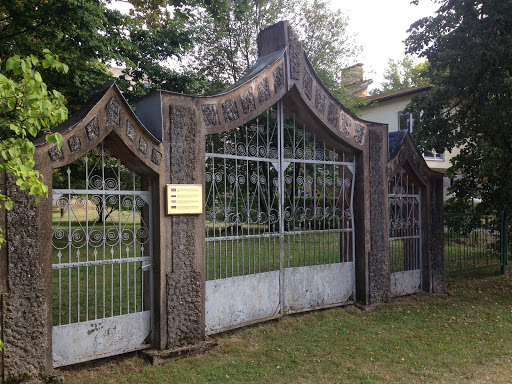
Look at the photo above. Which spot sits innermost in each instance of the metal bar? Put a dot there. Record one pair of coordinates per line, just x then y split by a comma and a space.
280, 141
151, 270
321, 162
504, 250
405, 237
100, 192
70, 244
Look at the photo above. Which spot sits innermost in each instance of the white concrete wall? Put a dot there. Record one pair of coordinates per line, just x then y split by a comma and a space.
387, 112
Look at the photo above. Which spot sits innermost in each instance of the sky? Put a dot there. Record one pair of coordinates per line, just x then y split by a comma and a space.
381, 27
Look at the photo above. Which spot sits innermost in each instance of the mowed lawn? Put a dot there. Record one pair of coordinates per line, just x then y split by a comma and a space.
461, 336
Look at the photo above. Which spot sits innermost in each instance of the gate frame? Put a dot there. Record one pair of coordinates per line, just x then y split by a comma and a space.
403, 153
109, 120
167, 141
143, 194
273, 310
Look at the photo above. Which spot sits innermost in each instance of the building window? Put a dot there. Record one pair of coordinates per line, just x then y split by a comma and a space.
407, 121
433, 155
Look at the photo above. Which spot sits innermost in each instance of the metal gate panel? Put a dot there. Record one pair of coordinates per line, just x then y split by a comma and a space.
404, 198
279, 222
318, 235
102, 253
318, 286
241, 300
89, 340
405, 282
242, 224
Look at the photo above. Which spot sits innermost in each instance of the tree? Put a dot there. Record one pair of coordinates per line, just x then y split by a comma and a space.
89, 37
226, 42
469, 47
329, 46
27, 109
403, 74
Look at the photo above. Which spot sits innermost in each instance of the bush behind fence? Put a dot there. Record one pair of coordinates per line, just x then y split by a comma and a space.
475, 241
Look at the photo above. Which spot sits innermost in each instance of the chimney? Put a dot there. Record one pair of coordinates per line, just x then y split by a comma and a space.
352, 75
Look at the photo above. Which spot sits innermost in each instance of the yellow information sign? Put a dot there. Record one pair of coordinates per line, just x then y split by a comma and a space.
184, 199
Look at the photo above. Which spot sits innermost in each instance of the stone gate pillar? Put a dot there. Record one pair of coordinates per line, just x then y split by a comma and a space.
26, 305
185, 280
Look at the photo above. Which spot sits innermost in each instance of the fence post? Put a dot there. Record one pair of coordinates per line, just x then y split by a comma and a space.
504, 243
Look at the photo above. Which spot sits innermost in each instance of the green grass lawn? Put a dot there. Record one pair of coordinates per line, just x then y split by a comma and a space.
92, 292
242, 257
463, 335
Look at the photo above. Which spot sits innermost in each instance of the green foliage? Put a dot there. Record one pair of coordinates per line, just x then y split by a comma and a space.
468, 220
403, 74
329, 46
469, 47
226, 42
27, 109
90, 37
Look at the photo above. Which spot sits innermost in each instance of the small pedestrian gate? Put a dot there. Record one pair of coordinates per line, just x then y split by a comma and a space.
279, 222
404, 234
102, 252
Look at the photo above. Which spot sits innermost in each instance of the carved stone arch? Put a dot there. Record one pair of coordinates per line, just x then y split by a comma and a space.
404, 153
281, 72
106, 116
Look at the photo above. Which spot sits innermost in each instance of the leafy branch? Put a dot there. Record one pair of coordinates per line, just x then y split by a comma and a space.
27, 110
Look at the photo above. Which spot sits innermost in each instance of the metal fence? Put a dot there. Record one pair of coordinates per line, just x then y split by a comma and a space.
475, 241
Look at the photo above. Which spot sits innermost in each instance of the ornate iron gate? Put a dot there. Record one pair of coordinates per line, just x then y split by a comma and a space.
102, 252
405, 234
279, 223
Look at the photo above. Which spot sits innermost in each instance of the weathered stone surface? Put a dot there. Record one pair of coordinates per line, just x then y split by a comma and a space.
346, 123
143, 145
182, 144
248, 104
22, 232
333, 114
210, 115
130, 130
308, 85
92, 129
359, 130
437, 232
55, 153
25, 334
263, 90
295, 54
320, 101
378, 258
156, 156
113, 110
74, 143
278, 75
184, 285
230, 110
25, 307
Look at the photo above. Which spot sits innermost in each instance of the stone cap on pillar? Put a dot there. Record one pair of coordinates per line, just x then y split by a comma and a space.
273, 38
